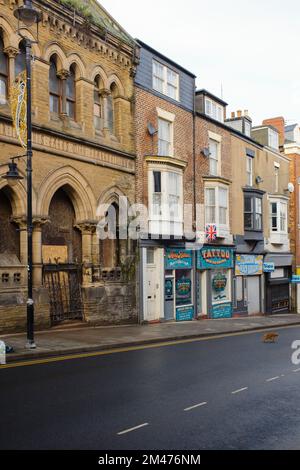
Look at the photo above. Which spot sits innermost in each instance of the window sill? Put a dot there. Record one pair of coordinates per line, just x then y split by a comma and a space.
278, 238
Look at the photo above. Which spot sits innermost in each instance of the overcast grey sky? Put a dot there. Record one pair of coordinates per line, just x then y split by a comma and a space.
248, 49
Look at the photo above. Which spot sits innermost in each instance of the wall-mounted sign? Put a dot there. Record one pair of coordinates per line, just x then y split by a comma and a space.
295, 279
215, 258
177, 258
249, 265
221, 311
184, 313
269, 267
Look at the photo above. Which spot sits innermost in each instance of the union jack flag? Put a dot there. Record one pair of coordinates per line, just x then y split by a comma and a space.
211, 232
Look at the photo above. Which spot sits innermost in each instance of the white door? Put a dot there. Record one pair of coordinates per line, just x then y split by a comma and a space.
152, 285
253, 295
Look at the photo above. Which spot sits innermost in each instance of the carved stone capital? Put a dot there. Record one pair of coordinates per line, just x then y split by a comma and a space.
11, 51
63, 74
86, 227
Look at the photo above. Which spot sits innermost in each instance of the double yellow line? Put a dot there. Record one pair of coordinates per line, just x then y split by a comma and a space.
108, 352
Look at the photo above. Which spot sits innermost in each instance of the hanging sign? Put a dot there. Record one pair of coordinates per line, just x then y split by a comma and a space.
177, 258
215, 258
18, 105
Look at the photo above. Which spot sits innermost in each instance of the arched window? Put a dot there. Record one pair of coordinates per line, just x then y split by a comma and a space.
54, 88
3, 74
71, 94
98, 108
111, 108
20, 61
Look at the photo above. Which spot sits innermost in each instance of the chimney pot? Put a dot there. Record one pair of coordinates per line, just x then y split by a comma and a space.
232, 115
239, 113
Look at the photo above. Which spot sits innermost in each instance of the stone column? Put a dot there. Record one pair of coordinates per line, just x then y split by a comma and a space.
38, 223
12, 52
63, 75
87, 230
104, 94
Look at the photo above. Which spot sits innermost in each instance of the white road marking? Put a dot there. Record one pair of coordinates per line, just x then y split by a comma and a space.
132, 429
296, 370
196, 406
239, 390
273, 378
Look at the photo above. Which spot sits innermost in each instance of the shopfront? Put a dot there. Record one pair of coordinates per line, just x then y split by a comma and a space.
179, 284
248, 284
214, 282
278, 287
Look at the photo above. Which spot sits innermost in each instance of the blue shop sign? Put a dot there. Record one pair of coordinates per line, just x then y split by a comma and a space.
295, 279
177, 258
222, 311
215, 258
249, 265
184, 313
269, 267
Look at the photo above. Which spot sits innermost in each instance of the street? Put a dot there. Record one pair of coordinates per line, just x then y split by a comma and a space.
233, 392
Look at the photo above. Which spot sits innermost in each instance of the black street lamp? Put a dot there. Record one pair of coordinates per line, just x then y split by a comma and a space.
28, 15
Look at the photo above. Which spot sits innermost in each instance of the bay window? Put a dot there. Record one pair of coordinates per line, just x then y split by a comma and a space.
252, 213
166, 201
278, 213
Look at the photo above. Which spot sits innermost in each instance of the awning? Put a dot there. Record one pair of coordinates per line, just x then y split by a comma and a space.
279, 260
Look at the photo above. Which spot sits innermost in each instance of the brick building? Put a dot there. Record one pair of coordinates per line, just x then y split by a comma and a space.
164, 107
215, 260
84, 155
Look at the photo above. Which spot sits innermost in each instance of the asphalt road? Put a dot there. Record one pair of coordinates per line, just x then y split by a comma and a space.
228, 393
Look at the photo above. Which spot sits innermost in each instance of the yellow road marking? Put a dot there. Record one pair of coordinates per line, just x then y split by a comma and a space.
108, 352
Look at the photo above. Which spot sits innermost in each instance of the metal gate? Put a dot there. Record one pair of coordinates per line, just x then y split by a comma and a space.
64, 286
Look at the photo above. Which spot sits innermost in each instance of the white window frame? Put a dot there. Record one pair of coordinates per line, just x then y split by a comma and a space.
249, 171
164, 215
216, 139
281, 216
214, 110
170, 118
217, 188
276, 176
273, 138
165, 80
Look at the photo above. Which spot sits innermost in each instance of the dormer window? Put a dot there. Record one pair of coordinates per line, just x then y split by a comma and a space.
214, 110
273, 139
165, 80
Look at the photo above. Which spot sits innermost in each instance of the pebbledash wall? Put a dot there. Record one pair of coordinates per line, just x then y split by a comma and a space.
76, 166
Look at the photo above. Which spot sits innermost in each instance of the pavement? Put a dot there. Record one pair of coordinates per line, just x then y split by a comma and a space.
218, 393
84, 339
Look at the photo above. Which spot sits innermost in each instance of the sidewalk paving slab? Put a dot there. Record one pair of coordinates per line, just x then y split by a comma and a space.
58, 342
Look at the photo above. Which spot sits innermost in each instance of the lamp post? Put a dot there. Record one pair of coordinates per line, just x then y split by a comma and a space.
28, 15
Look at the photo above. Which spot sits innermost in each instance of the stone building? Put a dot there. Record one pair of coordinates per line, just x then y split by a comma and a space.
84, 156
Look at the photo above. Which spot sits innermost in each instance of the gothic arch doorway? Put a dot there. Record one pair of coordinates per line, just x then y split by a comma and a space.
62, 257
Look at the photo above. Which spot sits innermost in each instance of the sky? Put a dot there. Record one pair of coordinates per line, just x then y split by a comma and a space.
243, 51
